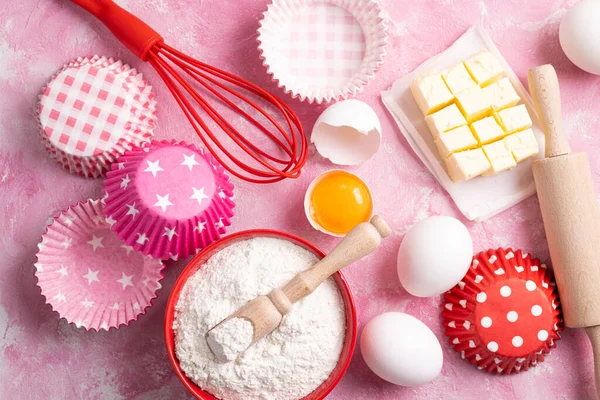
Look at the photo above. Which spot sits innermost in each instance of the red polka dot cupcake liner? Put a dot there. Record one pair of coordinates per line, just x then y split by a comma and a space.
504, 316
92, 111
89, 276
168, 200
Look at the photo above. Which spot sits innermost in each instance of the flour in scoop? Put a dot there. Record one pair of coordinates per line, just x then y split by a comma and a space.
286, 364
228, 339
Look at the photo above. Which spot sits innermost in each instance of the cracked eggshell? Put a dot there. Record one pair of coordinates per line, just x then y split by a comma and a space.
347, 132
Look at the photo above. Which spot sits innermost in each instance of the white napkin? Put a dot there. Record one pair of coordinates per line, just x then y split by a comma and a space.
481, 197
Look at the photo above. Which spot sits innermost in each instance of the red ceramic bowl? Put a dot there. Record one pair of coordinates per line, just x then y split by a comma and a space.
200, 259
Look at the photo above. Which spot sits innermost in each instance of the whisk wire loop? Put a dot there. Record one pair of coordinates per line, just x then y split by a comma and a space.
163, 58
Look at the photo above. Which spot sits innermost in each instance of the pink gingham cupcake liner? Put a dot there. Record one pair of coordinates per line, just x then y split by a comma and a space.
89, 276
323, 50
92, 111
168, 200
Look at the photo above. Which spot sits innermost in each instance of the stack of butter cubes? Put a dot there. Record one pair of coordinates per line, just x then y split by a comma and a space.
473, 114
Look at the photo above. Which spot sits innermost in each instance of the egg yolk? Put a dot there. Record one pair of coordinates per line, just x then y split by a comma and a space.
340, 201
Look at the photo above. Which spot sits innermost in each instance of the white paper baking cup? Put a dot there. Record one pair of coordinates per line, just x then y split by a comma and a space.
322, 50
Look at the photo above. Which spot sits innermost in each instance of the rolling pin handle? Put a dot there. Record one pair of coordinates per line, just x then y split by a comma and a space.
593, 333
543, 84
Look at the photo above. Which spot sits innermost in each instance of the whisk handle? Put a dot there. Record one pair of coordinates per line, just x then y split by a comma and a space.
134, 33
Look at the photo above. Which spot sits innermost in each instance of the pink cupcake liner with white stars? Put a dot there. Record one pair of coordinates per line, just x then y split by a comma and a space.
89, 276
168, 200
92, 111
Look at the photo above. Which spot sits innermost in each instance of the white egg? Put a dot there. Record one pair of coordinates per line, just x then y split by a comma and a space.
347, 132
401, 349
434, 256
580, 35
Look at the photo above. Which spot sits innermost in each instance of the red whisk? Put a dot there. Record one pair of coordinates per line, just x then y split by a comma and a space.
149, 46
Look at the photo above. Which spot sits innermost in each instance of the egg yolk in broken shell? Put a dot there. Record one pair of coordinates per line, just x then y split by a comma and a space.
339, 201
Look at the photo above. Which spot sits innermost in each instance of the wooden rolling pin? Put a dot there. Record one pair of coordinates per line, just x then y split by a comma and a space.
570, 212
265, 312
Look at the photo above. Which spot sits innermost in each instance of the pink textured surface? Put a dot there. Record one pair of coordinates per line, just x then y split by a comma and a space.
42, 357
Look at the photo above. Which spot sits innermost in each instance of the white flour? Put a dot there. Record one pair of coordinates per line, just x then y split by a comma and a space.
288, 363
228, 339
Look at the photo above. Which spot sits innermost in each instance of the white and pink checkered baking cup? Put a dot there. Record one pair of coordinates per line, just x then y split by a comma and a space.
92, 111
89, 276
323, 50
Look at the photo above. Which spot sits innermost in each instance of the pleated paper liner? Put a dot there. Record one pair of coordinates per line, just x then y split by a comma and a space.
169, 200
89, 276
92, 111
504, 316
323, 50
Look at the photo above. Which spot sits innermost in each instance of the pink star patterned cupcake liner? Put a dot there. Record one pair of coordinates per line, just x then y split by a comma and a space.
168, 200
89, 276
323, 50
92, 111
504, 316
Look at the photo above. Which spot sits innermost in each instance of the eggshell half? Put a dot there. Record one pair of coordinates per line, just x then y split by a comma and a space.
434, 256
347, 132
401, 349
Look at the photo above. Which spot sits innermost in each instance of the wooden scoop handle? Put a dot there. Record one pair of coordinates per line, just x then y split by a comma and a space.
359, 242
543, 85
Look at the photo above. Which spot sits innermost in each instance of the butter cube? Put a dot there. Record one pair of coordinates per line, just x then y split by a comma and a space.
444, 120
468, 164
523, 145
514, 119
500, 157
487, 130
501, 94
484, 67
457, 78
457, 139
473, 103
431, 93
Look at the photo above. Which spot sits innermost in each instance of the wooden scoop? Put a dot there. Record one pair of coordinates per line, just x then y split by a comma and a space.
265, 312
570, 212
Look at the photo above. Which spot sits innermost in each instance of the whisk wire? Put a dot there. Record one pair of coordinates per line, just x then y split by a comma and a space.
271, 173
290, 117
199, 76
229, 77
195, 118
166, 72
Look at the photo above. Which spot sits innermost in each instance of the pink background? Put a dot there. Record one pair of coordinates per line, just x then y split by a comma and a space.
42, 357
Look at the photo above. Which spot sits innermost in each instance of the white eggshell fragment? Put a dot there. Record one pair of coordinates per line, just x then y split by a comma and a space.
579, 35
347, 132
434, 256
401, 349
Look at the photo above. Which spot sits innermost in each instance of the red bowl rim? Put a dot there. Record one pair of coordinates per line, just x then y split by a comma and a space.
351, 318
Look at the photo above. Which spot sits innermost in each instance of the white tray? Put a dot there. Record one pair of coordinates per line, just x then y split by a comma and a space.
481, 197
